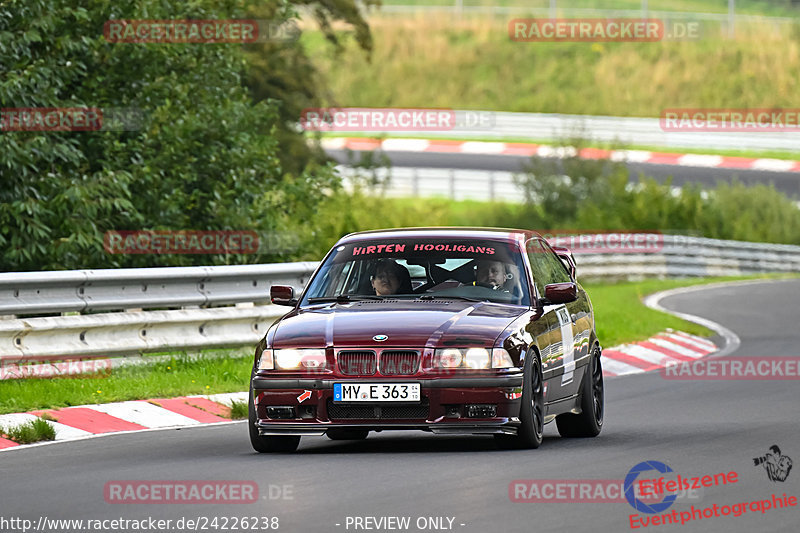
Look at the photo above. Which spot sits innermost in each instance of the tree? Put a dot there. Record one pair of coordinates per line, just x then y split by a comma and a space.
201, 154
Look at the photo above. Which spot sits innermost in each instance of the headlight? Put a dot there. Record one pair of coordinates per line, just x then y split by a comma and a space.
477, 358
473, 358
265, 362
501, 358
296, 358
449, 358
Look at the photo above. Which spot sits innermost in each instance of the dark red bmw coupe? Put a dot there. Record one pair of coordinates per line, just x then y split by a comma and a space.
467, 331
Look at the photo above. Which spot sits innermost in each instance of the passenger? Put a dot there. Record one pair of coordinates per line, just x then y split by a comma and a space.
491, 274
391, 278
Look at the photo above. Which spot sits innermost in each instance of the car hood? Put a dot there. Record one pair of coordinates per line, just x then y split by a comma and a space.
414, 323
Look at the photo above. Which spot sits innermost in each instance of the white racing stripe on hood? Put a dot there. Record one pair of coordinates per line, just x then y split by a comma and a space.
437, 335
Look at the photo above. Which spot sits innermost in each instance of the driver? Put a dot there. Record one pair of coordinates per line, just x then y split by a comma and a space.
491, 274
391, 278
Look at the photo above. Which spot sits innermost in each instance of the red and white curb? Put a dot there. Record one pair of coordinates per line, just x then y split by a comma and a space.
543, 150
656, 352
89, 420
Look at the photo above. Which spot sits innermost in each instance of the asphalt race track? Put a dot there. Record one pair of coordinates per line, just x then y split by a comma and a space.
696, 427
785, 182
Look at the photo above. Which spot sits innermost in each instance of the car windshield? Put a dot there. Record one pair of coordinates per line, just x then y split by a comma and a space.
463, 269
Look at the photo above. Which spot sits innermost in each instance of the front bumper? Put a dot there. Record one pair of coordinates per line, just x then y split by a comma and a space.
306, 406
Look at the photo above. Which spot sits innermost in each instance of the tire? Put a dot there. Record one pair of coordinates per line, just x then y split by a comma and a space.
270, 444
590, 421
347, 434
531, 411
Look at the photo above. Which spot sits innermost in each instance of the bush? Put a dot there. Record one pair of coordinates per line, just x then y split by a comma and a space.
597, 196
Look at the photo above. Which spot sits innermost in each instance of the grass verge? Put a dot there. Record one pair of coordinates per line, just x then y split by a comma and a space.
619, 312
32, 431
471, 63
238, 410
621, 316
227, 371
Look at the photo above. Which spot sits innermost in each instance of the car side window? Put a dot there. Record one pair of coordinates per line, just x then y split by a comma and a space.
547, 267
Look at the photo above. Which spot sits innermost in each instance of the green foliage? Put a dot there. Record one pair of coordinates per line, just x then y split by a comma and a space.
560, 188
203, 156
282, 71
597, 195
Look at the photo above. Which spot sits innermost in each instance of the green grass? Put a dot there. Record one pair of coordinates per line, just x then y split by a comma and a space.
228, 371
470, 63
620, 315
33, 431
238, 410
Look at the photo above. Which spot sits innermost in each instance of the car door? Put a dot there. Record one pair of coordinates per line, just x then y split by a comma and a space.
559, 356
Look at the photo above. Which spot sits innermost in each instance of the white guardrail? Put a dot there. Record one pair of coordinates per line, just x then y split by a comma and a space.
194, 289
452, 183
191, 289
621, 131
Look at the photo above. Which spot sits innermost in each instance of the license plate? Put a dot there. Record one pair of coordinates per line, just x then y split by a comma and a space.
376, 392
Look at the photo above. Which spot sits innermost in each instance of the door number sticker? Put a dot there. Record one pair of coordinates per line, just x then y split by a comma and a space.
567, 345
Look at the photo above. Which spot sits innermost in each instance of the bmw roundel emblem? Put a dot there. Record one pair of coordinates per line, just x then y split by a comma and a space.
380, 338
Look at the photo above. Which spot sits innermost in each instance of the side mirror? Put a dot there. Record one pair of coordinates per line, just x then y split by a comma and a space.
567, 258
561, 293
282, 295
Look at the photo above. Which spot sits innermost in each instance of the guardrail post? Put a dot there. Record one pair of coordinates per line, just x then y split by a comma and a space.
491, 186
452, 184
415, 182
